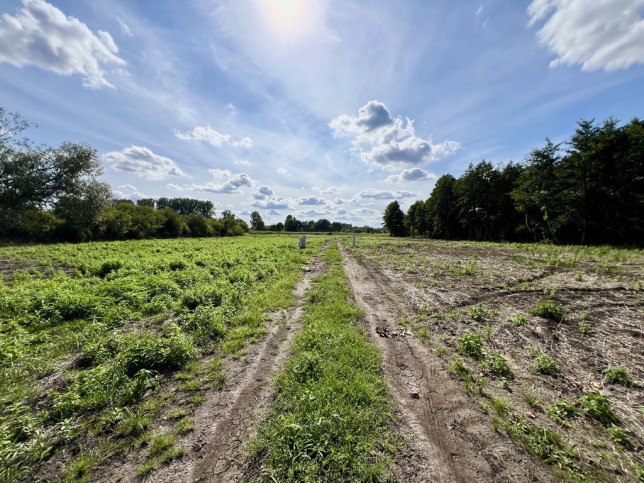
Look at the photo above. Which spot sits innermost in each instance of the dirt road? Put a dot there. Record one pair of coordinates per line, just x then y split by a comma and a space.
450, 438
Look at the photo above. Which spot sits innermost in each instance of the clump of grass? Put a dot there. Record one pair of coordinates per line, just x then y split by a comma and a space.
478, 312
458, 368
617, 375
497, 365
177, 414
184, 426
548, 309
519, 320
133, 423
470, 344
531, 400
552, 290
619, 435
542, 443
160, 443
500, 406
171, 454
578, 277
545, 364
597, 407
81, 467
562, 411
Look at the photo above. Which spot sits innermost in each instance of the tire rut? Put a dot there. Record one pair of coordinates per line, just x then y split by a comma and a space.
449, 439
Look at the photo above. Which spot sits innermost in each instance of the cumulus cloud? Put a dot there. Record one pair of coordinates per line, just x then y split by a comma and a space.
375, 194
128, 191
208, 135
413, 174
225, 183
263, 192
276, 203
385, 141
142, 162
42, 35
597, 35
311, 201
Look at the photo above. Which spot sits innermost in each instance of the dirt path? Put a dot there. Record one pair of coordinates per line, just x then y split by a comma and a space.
224, 423
450, 438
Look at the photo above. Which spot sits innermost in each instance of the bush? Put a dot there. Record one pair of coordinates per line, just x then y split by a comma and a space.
497, 364
146, 350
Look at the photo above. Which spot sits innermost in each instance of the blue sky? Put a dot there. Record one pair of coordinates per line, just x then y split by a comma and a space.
326, 108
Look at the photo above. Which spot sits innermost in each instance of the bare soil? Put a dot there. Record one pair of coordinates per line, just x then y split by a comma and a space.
226, 420
434, 288
449, 437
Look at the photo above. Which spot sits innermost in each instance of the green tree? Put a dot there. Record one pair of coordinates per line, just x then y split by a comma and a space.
441, 219
394, 219
256, 222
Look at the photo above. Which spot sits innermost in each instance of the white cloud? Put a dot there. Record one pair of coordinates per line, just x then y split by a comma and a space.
384, 141
311, 201
42, 35
214, 138
125, 27
277, 203
283, 171
263, 192
340, 201
242, 162
142, 162
225, 183
375, 194
126, 187
606, 34
413, 174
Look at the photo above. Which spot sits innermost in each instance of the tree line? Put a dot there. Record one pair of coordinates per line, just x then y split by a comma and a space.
292, 224
53, 194
587, 190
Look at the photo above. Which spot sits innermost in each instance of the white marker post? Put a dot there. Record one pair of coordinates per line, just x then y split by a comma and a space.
302, 242
354, 240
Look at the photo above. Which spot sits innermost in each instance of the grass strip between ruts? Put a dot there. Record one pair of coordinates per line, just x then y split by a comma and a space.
332, 419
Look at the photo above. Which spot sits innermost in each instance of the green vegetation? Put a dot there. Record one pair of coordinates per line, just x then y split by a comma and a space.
111, 323
562, 411
470, 344
617, 375
548, 309
497, 365
545, 364
597, 407
332, 419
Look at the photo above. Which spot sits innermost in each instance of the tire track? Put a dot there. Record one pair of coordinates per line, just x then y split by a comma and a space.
449, 438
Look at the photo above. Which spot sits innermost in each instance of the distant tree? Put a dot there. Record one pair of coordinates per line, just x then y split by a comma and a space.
81, 209
394, 219
227, 214
415, 218
187, 206
256, 222
322, 225
149, 202
279, 226
292, 224
441, 216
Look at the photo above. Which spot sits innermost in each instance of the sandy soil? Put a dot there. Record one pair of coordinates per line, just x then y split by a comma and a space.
450, 438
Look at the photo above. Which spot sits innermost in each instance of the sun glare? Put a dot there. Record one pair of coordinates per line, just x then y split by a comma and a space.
286, 6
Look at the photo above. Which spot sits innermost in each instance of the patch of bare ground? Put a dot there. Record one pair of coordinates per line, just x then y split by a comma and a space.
452, 289
8, 269
449, 437
225, 420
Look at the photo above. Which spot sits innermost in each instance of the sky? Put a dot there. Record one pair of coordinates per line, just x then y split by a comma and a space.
314, 108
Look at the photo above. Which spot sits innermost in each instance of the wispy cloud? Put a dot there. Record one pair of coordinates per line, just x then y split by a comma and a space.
597, 35
214, 138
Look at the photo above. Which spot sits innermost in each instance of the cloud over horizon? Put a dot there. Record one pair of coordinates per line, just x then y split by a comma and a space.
225, 183
208, 135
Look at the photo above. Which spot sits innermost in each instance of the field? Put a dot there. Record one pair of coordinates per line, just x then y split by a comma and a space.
397, 359
547, 340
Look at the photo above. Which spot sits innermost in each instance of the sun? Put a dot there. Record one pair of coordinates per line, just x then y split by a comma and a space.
285, 6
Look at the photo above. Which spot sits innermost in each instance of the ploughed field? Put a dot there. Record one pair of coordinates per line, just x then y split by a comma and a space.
92, 334
547, 340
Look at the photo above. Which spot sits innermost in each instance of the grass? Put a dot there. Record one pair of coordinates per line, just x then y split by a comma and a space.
333, 418
470, 344
561, 412
617, 375
117, 323
597, 407
544, 364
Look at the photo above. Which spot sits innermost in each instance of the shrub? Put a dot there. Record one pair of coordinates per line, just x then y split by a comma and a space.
561, 411
145, 350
